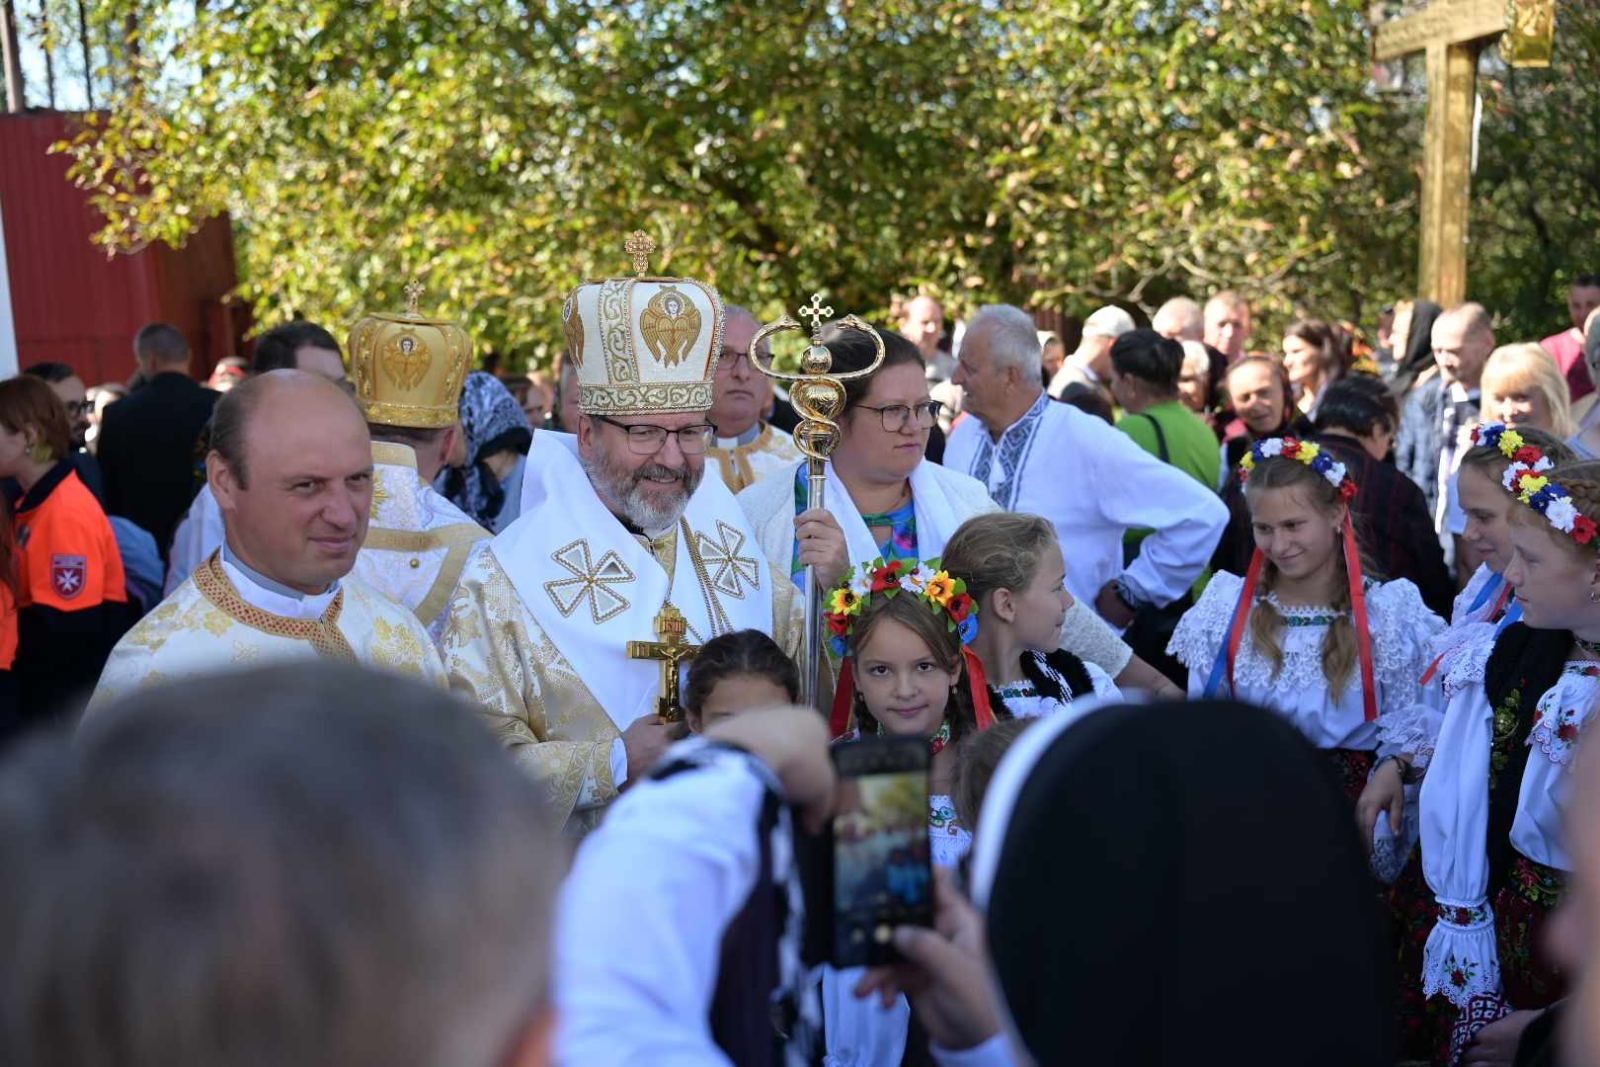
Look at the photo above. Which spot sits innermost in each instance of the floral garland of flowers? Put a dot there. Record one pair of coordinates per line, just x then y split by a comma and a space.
1526, 480
1308, 452
925, 580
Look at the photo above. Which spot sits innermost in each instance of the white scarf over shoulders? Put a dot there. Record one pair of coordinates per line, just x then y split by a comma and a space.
942, 500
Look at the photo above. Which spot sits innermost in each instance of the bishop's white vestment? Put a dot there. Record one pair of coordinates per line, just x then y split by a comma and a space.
538, 629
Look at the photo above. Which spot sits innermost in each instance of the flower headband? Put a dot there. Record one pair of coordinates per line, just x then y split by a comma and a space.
925, 580
1525, 479
1307, 452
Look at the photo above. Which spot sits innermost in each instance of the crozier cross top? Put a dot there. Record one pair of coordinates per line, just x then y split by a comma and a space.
817, 314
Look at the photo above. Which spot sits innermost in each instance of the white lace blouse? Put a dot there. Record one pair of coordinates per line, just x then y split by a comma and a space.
1461, 960
1402, 630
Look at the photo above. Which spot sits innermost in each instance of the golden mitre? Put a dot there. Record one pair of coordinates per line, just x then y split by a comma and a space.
408, 369
643, 345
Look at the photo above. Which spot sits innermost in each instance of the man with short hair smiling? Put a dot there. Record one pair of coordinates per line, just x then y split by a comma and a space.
609, 538
1093, 482
746, 449
291, 467
295, 345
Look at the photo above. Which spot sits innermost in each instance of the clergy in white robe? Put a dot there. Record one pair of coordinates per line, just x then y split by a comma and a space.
746, 449
408, 373
539, 628
1091, 481
753, 456
291, 467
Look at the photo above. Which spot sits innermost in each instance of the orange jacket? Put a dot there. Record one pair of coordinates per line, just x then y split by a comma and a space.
67, 554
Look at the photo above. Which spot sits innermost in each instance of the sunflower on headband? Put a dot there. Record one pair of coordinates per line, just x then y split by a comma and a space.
943, 593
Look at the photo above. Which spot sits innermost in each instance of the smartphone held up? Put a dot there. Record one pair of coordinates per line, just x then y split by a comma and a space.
882, 873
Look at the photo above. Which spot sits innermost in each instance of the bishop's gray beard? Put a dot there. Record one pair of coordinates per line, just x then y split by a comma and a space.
623, 492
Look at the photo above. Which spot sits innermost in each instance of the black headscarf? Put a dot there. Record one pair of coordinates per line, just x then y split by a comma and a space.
1418, 356
1179, 884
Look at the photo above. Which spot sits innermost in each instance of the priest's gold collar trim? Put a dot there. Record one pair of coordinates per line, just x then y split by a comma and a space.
323, 634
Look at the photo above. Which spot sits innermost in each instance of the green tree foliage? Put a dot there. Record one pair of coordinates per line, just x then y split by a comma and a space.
1536, 193
1059, 154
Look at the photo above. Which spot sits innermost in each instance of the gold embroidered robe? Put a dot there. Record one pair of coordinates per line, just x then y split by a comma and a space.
209, 624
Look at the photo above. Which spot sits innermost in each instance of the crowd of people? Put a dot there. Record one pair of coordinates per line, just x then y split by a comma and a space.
1251, 678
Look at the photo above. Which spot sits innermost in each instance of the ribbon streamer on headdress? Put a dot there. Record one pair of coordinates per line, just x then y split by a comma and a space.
1228, 654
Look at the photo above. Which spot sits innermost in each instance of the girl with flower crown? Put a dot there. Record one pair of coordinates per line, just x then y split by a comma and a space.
1484, 606
1304, 632
1014, 572
901, 631
1518, 702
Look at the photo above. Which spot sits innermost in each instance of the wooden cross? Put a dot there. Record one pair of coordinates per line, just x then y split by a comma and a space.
639, 245
671, 649
1451, 33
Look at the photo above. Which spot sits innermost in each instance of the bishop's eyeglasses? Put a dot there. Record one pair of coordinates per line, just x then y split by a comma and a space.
894, 416
646, 439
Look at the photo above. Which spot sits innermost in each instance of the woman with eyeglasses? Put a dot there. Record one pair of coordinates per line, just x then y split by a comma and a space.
885, 500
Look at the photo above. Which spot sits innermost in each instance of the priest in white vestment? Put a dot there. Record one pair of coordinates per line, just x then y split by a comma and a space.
1089, 479
612, 531
291, 468
746, 449
408, 372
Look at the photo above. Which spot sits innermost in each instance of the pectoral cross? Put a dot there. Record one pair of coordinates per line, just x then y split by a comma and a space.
1451, 32
671, 649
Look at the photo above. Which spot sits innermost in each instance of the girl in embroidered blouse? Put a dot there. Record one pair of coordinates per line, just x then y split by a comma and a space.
1016, 576
1333, 652
735, 672
908, 674
1484, 606
1518, 701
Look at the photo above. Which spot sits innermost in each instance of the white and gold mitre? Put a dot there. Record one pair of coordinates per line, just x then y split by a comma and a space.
408, 370
643, 345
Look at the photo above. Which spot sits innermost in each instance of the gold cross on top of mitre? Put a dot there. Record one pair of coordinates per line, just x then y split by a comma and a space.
817, 314
639, 245
414, 291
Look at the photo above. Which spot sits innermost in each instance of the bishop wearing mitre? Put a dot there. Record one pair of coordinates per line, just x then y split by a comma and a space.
408, 372
291, 467
618, 524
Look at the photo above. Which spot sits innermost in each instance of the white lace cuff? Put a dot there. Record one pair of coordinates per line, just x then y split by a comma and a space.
1460, 960
1412, 732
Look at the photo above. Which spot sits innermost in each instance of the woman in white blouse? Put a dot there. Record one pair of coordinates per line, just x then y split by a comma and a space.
1492, 802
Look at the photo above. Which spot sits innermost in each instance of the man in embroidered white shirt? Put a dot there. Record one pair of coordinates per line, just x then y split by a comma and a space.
1090, 481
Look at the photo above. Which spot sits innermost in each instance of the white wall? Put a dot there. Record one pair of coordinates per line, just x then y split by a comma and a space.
8, 328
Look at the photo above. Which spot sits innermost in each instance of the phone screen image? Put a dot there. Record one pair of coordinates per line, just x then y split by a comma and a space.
882, 875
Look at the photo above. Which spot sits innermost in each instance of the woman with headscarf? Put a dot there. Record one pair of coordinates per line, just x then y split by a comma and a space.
487, 483
1238, 894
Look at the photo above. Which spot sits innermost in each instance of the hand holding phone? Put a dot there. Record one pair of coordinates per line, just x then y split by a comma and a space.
882, 875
